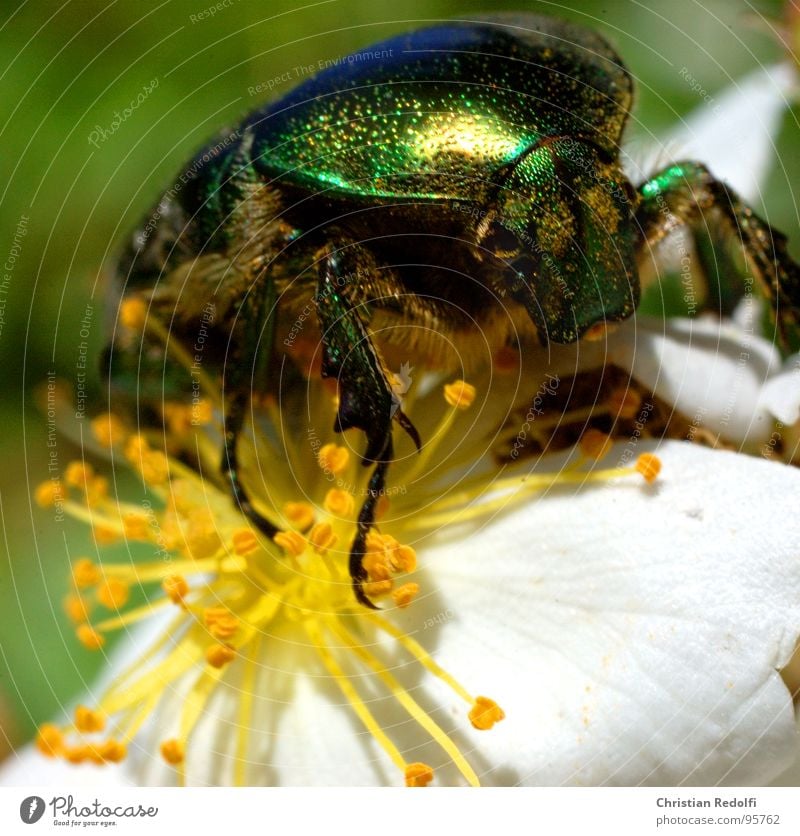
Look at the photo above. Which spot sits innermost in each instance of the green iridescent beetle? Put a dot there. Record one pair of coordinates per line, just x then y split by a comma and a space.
438, 178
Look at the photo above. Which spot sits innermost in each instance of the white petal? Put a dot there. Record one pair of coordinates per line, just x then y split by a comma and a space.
27, 767
781, 394
735, 133
301, 731
633, 635
708, 371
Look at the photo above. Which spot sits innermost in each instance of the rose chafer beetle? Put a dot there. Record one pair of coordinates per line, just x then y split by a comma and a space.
472, 171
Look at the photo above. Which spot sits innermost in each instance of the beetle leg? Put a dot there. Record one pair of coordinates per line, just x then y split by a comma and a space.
256, 310
681, 195
366, 400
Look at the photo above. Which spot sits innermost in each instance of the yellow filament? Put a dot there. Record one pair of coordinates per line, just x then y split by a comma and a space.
405, 699
246, 712
132, 616
420, 654
352, 697
512, 489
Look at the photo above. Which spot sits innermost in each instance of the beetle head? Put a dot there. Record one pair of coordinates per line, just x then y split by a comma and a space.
564, 227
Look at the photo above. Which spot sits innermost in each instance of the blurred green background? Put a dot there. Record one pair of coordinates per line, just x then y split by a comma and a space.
67, 67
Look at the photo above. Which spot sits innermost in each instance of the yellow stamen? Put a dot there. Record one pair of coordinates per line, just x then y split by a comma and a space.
221, 623
220, 654
105, 535
176, 587
408, 703
244, 542
133, 313
375, 566
202, 537
300, 515
419, 653
76, 609
418, 775
485, 713
352, 697
88, 720
339, 503
405, 594
459, 394
77, 754
78, 474
246, 711
624, 402
50, 740
649, 466
595, 444
108, 429
113, 594
322, 538
291, 542
113, 751
85, 573
154, 468
378, 588
172, 751
333, 459
48, 493
403, 559
137, 526
89, 637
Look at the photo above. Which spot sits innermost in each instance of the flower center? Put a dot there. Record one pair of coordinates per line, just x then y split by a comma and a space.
231, 589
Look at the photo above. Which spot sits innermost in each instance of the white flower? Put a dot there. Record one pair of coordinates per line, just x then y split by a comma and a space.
631, 633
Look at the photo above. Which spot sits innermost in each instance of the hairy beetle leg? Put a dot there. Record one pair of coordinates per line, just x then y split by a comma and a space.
229, 466
682, 193
253, 355
365, 396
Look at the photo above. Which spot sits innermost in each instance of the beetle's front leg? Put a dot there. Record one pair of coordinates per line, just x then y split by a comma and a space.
365, 396
256, 312
683, 193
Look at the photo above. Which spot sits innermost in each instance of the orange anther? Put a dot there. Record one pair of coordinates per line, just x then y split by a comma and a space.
89, 637
459, 394
485, 713
649, 466
418, 775
172, 751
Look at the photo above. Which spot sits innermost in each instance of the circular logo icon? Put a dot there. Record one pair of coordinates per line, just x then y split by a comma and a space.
31, 809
